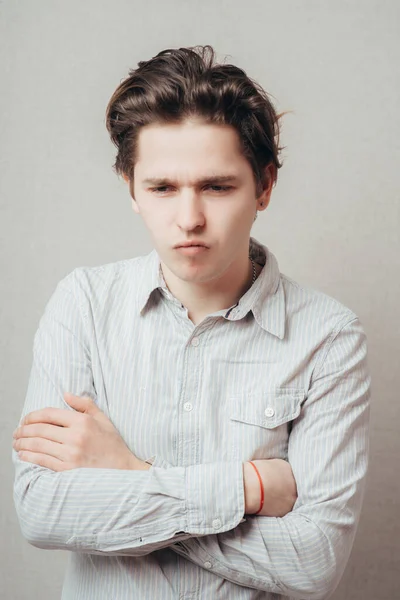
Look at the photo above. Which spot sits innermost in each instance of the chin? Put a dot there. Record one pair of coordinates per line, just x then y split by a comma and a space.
189, 277
191, 273
201, 275
192, 270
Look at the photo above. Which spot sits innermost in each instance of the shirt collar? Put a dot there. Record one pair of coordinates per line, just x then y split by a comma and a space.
265, 299
151, 279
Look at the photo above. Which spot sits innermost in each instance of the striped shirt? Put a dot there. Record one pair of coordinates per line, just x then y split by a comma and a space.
282, 374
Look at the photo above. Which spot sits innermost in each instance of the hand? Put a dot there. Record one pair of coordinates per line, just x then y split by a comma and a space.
280, 491
60, 439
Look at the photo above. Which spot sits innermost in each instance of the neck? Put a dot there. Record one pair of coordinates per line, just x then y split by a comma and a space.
202, 299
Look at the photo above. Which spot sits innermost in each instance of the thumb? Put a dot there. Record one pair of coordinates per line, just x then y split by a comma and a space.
83, 404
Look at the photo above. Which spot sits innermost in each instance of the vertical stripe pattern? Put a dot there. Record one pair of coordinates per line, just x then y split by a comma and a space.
283, 374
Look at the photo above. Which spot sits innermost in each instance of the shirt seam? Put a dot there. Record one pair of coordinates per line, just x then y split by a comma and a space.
344, 322
239, 575
140, 531
66, 288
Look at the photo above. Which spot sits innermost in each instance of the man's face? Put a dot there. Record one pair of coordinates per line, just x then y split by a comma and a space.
182, 198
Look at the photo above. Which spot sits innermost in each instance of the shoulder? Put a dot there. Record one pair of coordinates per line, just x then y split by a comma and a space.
314, 308
319, 324
95, 286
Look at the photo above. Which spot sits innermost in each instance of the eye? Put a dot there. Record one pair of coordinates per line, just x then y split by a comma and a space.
220, 188
161, 189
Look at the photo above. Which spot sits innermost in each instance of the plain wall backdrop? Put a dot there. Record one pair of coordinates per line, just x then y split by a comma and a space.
333, 222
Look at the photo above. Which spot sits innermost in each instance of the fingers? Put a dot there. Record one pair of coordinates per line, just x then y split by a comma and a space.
42, 430
43, 460
40, 446
83, 404
54, 416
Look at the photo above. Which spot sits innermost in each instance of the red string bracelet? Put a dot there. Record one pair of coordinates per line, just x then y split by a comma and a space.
261, 488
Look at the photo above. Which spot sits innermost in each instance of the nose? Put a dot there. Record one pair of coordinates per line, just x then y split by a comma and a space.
190, 214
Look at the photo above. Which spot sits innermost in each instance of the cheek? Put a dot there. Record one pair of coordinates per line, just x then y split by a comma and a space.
157, 220
228, 218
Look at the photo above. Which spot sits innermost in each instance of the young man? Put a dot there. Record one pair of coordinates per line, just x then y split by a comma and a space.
201, 379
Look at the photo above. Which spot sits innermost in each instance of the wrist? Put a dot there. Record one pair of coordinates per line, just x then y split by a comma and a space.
252, 492
135, 464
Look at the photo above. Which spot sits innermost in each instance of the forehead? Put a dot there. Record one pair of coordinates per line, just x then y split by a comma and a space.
190, 147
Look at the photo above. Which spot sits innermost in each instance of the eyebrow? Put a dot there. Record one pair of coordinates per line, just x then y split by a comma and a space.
212, 179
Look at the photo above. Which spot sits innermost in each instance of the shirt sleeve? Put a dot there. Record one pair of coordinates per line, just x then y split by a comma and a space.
303, 554
109, 511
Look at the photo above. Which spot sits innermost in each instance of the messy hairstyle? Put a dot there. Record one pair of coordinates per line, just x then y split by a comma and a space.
184, 83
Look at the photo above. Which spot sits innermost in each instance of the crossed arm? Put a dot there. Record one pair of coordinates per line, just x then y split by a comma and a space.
60, 440
120, 510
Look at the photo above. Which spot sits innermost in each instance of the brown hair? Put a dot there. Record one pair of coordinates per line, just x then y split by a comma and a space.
181, 83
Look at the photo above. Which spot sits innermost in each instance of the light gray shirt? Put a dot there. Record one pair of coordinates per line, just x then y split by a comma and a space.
282, 374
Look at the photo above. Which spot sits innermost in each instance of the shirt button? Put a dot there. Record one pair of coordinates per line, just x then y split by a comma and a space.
188, 406
207, 565
216, 523
195, 342
269, 412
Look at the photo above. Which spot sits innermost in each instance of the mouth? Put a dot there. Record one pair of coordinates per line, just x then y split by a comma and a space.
191, 245
191, 248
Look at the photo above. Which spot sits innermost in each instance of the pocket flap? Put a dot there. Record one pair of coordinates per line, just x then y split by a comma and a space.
270, 408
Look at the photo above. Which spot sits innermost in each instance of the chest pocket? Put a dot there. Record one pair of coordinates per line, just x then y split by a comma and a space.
260, 423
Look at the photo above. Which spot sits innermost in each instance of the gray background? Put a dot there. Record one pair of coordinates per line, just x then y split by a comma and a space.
333, 221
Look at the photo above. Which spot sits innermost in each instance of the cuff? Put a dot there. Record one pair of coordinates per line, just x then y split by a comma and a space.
214, 497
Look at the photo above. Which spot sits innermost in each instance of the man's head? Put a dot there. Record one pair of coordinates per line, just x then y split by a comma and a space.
182, 123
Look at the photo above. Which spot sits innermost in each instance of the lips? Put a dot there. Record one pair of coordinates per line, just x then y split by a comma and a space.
191, 249
191, 245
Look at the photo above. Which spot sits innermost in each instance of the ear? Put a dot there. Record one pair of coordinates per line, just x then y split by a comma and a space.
270, 178
135, 207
